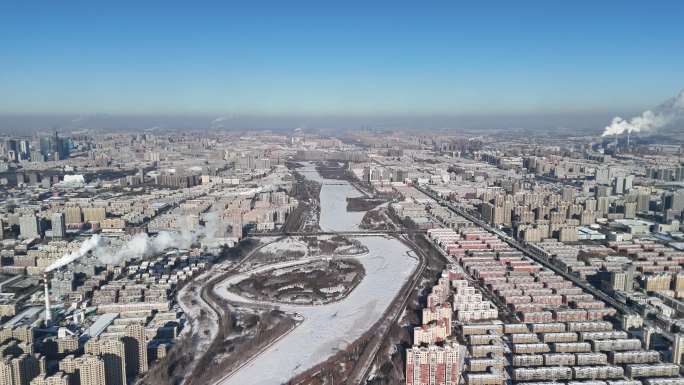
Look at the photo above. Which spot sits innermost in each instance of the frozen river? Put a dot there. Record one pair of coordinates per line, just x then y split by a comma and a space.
329, 328
334, 214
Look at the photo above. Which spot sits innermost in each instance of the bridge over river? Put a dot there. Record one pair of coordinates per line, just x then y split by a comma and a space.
351, 233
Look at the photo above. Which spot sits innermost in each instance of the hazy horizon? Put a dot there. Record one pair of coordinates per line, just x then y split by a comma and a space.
590, 122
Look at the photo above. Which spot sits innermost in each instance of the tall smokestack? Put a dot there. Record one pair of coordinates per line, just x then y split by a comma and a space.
48, 313
628, 138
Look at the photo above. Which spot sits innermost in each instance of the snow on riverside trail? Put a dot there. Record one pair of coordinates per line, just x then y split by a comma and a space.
329, 328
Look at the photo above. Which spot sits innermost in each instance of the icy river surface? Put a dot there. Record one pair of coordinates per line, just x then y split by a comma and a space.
329, 328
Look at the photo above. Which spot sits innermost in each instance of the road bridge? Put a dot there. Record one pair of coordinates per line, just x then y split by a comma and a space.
351, 233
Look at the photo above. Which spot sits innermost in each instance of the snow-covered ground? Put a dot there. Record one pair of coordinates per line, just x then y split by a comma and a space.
278, 250
202, 328
329, 328
286, 245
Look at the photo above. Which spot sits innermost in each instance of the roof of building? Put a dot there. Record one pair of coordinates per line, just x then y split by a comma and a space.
100, 324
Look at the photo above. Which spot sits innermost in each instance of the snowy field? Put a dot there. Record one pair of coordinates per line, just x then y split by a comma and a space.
290, 244
329, 328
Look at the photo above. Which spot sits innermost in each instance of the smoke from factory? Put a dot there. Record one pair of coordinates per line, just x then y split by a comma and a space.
649, 120
143, 245
91, 244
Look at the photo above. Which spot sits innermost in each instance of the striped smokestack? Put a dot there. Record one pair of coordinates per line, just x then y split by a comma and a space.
48, 313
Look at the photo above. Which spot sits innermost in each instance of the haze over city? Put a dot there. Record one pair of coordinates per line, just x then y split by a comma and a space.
358, 193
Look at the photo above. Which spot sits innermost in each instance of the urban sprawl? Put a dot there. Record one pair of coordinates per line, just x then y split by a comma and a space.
359, 257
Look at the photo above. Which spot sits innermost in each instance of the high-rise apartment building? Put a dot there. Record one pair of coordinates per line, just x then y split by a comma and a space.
58, 378
602, 205
568, 234
36, 155
93, 371
590, 204
94, 214
568, 194
643, 201
113, 354
434, 364
497, 213
72, 215
18, 370
69, 365
85, 370
629, 182
136, 349
11, 149
657, 282
54, 147
622, 280
630, 210
673, 201
602, 191
619, 185
58, 225
29, 226
677, 348
24, 149
602, 175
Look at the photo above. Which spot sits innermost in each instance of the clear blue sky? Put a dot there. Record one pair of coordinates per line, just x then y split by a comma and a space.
338, 57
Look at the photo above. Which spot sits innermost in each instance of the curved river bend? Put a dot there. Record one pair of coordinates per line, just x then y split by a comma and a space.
329, 328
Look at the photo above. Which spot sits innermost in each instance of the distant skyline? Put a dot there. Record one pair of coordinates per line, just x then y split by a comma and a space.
337, 59
557, 123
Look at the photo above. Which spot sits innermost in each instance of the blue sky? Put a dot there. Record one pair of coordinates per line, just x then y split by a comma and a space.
338, 57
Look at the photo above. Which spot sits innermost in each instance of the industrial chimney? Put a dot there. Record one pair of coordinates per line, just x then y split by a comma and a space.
48, 313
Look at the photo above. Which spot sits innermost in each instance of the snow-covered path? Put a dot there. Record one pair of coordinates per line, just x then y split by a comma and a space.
201, 316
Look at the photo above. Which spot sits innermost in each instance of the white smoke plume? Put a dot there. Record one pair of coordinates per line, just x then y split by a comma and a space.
649, 120
221, 121
92, 243
212, 223
143, 245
